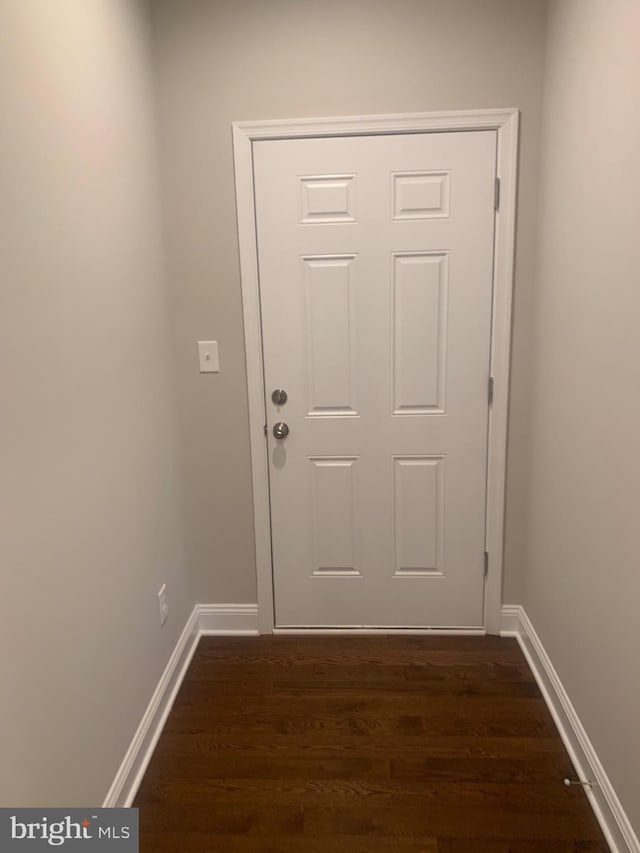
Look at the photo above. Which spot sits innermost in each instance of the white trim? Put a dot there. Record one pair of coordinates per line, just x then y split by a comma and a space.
603, 799
243, 160
510, 620
503, 272
448, 120
228, 619
505, 122
137, 757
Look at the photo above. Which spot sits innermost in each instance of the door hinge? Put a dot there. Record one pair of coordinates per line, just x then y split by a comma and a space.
491, 390
265, 429
486, 563
496, 195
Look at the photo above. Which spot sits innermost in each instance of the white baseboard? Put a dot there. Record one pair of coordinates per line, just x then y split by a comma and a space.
604, 801
136, 759
228, 619
206, 619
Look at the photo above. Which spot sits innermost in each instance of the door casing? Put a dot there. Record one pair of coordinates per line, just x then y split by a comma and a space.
505, 122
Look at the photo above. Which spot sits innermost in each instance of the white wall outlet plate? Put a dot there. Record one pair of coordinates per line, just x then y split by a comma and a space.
162, 604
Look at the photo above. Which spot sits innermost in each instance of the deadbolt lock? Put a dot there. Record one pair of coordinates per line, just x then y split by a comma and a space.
279, 397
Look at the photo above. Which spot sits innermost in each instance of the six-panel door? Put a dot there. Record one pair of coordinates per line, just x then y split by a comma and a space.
375, 265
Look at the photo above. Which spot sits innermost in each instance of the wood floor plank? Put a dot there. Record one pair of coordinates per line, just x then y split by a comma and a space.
442, 821
197, 744
515, 720
497, 845
493, 770
220, 818
203, 842
356, 744
285, 768
288, 658
349, 794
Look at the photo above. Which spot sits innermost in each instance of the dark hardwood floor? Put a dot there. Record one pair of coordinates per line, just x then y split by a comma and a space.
332, 744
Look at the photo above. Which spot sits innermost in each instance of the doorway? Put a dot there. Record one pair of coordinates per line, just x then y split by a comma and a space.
376, 267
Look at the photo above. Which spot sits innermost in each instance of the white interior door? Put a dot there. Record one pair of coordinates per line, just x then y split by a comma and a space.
375, 264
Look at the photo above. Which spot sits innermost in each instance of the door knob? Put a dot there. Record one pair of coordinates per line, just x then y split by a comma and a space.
281, 430
279, 397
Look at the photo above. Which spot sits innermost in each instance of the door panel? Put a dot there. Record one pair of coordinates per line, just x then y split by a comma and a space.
333, 516
330, 334
375, 265
418, 514
419, 338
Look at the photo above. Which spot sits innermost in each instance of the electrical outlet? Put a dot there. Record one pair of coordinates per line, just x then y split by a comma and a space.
162, 604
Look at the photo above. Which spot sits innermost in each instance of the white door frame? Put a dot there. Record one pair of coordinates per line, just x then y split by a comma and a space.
505, 122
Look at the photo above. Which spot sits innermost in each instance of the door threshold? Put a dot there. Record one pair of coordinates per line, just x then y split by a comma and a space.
374, 630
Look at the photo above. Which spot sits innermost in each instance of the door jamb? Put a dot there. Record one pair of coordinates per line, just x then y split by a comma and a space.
505, 122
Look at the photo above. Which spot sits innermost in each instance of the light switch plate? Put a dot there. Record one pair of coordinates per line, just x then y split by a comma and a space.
208, 354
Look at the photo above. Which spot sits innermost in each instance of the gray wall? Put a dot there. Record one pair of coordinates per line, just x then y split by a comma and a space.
219, 62
582, 580
89, 518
